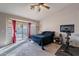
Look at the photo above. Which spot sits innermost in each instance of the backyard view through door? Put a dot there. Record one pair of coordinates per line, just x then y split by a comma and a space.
21, 31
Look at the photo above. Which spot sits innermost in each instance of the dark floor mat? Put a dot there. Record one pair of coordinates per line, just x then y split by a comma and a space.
72, 51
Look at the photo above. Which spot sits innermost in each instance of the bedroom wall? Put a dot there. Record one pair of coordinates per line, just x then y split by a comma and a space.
2, 29
68, 15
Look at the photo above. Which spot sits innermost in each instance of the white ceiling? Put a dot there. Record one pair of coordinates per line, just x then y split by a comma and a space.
23, 9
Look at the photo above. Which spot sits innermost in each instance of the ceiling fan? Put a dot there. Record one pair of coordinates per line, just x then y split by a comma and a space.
39, 6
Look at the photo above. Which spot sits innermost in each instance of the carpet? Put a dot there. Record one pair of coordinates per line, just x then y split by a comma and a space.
72, 51
33, 49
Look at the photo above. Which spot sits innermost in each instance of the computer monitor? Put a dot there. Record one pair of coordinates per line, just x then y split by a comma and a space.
67, 28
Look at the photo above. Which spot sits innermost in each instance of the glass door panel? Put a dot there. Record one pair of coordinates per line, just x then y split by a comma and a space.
25, 31
18, 31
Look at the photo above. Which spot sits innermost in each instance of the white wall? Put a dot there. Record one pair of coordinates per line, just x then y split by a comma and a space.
68, 15
2, 29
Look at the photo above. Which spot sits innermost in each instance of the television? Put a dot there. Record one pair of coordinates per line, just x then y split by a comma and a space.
67, 28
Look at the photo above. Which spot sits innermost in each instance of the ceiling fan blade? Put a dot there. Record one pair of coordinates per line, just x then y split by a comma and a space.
33, 6
40, 3
46, 6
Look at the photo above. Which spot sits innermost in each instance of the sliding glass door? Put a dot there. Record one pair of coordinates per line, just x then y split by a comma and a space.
21, 31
